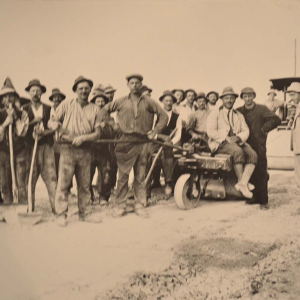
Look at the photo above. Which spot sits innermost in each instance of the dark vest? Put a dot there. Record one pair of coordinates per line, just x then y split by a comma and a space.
19, 143
172, 124
46, 116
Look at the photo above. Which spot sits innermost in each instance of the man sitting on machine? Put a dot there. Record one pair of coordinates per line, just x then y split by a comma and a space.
228, 132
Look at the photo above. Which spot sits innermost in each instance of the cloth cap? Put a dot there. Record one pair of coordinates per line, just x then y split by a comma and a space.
35, 82
109, 89
272, 91
201, 95
228, 91
294, 87
138, 76
98, 93
145, 88
56, 92
81, 79
167, 93
247, 90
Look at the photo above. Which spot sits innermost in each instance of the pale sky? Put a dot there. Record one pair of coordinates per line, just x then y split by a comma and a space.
205, 45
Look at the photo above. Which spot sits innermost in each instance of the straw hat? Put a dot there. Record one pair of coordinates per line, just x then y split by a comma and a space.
8, 88
35, 82
228, 91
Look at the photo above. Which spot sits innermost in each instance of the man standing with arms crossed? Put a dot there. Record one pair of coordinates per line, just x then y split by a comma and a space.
260, 121
80, 123
135, 114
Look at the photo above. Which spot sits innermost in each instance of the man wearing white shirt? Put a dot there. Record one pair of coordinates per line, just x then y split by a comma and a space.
167, 157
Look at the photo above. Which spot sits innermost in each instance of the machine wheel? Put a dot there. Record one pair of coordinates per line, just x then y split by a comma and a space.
187, 192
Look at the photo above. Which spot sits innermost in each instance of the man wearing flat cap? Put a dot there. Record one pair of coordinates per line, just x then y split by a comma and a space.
101, 155
135, 114
80, 124
228, 132
167, 157
11, 115
260, 121
294, 93
39, 116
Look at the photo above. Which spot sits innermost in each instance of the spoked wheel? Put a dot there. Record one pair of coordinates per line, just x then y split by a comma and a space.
187, 191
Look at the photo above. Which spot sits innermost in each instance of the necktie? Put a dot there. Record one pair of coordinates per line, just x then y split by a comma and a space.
230, 130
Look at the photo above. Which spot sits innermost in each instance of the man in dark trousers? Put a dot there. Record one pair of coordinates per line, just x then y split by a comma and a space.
260, 121
39, 116
135, 114
167, 157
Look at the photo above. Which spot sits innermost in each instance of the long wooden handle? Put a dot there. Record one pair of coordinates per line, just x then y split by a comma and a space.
31, 173
156, 158
12, 165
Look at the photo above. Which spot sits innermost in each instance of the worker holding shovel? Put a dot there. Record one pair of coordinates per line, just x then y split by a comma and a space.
39, 115
13, 128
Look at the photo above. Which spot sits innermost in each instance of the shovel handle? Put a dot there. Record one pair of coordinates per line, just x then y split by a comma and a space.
30, 205
12, 165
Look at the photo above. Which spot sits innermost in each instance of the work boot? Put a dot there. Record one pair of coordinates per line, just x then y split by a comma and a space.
264, 206
119, 212
91, 218
140, 211
61, 221
252, 202
168, 190
244, 190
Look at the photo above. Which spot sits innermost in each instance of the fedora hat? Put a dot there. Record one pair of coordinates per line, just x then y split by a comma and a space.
272, 92
98, 93
294, 87
167, 93
145, 88
81, 79
109, 89
228, 91
8, 88
190, 90
213, 92
247, 90
135, 75
178, 90
35, 82
56, 92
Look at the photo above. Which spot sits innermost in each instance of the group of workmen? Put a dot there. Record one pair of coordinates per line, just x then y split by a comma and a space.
69, 134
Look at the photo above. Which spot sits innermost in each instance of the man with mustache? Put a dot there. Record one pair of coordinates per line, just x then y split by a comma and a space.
80, 124
135, 114
39, 116
11, 115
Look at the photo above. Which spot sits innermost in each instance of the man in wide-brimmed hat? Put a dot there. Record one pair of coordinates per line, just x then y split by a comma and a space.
11, 115
294, 92
260, 121
80, 124
228, 132
197, 122
56, 97
39, 116
273, 104
135, 114
101, 155
167, 157
212, 98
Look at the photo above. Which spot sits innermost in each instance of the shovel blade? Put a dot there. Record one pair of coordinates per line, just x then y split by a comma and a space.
29, 219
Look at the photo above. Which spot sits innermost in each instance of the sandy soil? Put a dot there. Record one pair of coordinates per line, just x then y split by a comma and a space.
220, 250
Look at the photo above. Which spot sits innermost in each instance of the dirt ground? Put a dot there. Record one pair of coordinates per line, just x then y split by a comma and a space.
220, 250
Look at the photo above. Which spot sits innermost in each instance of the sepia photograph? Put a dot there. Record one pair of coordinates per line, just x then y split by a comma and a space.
149, 149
